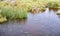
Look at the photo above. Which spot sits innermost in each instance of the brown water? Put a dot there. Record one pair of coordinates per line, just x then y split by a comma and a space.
39, 24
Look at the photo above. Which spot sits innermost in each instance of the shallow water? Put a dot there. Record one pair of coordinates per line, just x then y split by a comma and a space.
39, 24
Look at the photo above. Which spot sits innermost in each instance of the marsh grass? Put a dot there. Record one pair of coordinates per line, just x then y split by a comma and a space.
14, 13
52, 5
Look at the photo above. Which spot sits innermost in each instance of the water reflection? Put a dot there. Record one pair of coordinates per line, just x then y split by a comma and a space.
58, 16
54, 9
38, 12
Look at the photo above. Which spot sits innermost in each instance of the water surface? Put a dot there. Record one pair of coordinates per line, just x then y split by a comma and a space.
39, 24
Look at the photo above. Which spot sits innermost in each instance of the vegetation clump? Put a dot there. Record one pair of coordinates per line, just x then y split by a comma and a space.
58, 13
14, 12
53, 5
2, 19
